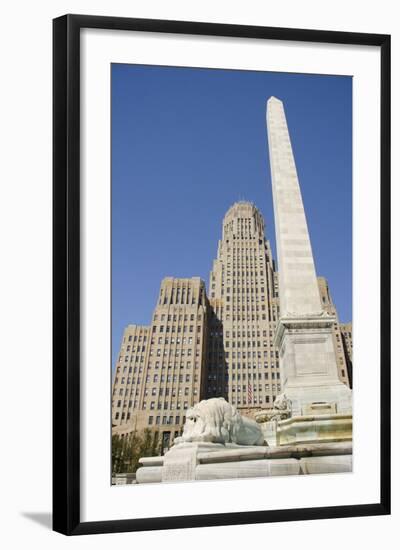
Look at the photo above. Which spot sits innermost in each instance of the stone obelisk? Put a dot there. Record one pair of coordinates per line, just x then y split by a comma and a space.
304, 334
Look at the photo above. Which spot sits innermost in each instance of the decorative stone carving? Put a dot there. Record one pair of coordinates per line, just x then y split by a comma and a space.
217, 421
282, 403
282, 410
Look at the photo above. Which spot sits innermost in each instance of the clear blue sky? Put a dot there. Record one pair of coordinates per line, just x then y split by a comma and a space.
187, 143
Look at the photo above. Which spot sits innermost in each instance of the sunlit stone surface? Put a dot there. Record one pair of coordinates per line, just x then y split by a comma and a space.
304, 333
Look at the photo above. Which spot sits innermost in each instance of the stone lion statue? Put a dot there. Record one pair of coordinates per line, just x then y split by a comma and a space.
217, 421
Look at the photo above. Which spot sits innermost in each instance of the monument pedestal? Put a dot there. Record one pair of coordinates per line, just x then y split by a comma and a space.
202, 461
308, 365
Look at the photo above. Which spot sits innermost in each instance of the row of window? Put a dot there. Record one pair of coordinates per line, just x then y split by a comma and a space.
248, 344
261, 400
247, 354
161, 391
242, 278
242, 289
236, 300
226, 366
165, 420
243, 376
218, 311
156, 378
173, 365
247, 309
242, 334
244, 388
166, 406
136, 338
134, 358
123, 415
168, 391
137, 349
244, 234
248, 315
168, 340
175, 352
179, 328
252, 247
257, 317
178, 301
134, 370
176, 317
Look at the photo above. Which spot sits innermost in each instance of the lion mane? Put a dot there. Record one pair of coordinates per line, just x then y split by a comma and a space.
217, 421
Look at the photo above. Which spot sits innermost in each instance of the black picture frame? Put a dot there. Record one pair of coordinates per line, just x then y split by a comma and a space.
66, 272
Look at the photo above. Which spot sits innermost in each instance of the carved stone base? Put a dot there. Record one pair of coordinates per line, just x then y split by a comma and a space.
323, 428
308, 365
315, 429
200, 461
181, 460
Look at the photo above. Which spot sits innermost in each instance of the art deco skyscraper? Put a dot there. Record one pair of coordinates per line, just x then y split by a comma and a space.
243, 364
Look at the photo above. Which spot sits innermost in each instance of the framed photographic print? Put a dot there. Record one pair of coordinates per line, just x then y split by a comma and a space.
221, 274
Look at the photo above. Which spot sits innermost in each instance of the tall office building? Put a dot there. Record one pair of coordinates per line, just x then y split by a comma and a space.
243, 364
160, 369
130, 371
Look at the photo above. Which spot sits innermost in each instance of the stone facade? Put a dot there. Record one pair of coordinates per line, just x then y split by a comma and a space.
160, 369
299, 293
243, 364
130, 371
